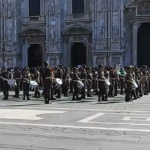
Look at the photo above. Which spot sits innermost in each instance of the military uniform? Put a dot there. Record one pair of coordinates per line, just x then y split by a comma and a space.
128, 85
89, 81
26, 82
59, 74
36, 78
47, 80
66, 82
17, 77
83, 76
5, 76
75, 79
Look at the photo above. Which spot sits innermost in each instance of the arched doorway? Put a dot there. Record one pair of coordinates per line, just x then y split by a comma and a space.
78, 54
35, 55
143, 45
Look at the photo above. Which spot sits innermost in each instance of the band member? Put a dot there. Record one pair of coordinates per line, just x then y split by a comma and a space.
83, 76
101, 83
94, 81
122, 79
18, 78
37, 79
66, 82
138, 79
47, 80
59, 74
112, 81
5, 76
128, 84
89, 81
26, 82
75, 79
133, 93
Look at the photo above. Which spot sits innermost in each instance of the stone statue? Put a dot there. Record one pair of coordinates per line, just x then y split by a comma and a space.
52, 8
115, 30
52, 34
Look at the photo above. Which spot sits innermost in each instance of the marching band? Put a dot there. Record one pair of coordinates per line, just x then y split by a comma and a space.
105, 82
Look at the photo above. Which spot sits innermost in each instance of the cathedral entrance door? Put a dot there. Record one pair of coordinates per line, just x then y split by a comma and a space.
143, 46
35, 55
78, 54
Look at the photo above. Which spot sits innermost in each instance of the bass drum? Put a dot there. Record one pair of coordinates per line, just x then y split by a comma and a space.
80, 85
58, 83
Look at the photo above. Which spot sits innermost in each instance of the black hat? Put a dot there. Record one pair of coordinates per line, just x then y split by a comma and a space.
45, 63
100, 65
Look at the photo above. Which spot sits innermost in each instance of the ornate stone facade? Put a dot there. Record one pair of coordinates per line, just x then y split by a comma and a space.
108, 29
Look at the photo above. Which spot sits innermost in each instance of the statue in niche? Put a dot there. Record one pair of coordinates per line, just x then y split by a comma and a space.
100, 31
99, 60
10, 30
10, 9
52, 34
115, 30
52, 8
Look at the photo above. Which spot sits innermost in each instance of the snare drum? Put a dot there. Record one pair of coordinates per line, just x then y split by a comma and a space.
80, 85
135, 84
33, 85
58, 83
107, 82
11, 83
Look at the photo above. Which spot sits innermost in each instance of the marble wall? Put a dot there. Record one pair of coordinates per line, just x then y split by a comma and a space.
108, 43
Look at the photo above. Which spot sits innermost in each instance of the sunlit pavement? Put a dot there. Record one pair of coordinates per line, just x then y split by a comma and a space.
74, 125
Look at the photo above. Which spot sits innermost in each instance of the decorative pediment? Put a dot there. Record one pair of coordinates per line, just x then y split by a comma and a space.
142, 6
77, 30
32, 32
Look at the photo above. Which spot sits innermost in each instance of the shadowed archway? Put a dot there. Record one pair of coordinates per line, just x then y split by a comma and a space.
78, 54
143, 45
35, 55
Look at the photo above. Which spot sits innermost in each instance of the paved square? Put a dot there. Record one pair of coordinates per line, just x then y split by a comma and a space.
74, 125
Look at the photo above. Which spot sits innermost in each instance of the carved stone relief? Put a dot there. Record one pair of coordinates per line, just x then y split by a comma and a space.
53, 61
10, 31
10, 62
77, 30
115, 60
33, 32
35, 39
144, 8
100, 60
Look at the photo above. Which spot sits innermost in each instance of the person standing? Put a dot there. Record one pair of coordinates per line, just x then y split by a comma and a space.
47, 80
5, 76
17, 77
26, 82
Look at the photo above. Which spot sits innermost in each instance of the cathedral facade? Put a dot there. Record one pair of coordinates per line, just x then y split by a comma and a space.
74, 32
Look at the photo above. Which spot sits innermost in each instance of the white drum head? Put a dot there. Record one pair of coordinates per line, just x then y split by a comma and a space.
59, 81
33, 83
11, 82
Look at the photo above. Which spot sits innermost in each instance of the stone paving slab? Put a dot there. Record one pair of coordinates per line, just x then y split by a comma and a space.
76, 128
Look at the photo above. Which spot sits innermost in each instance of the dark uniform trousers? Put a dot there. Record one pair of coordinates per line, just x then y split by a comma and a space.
5, 89
75, 91
102, 90
83, 90
112, 88
121, 85
26, 86
47, 90
89, 87
128, 91
17, 88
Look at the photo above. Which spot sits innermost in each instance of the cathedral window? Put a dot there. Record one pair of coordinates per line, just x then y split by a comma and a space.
34, 7
78, 6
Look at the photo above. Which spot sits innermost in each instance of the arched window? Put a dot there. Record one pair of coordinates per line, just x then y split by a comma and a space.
77, 6
34, 7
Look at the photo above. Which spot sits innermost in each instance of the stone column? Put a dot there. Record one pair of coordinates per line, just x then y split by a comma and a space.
131, 42
14, 60
135, 28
